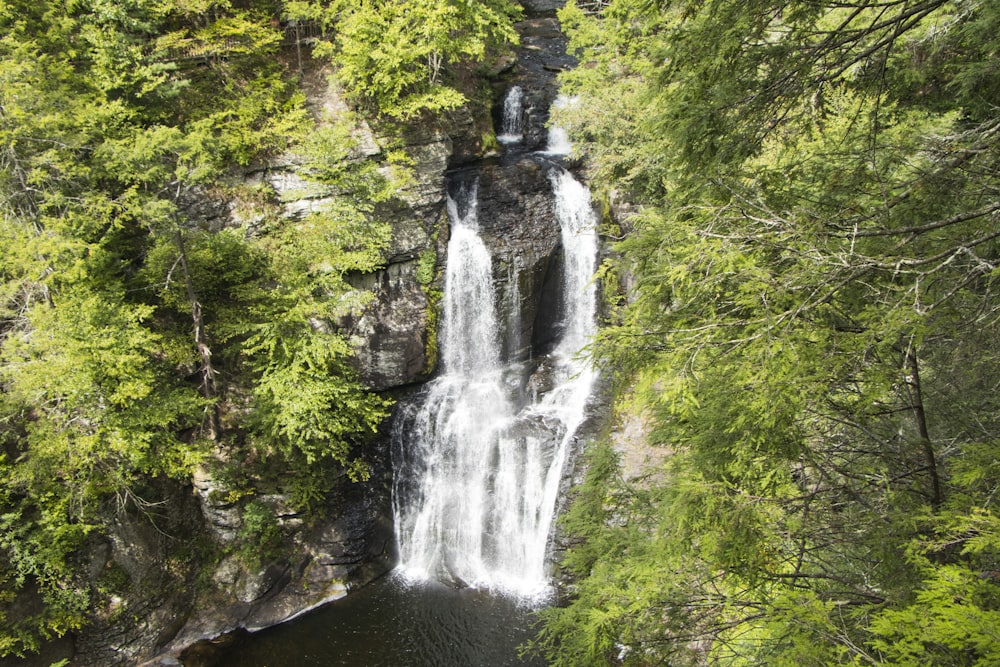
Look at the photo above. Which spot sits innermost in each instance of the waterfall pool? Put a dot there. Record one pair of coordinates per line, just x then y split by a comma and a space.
393, 624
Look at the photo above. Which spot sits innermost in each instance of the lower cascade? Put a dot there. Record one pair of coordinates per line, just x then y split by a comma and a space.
480, 455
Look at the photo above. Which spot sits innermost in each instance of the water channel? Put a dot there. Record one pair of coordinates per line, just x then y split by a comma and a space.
479, 454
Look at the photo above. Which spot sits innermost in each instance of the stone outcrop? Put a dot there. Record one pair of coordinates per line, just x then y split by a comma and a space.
141, 549
394, 333
392, 337
325, 561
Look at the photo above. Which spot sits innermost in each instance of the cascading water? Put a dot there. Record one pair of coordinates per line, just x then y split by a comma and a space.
442, 522
513, 298
558, 139
578, 225
512, 123
479, 469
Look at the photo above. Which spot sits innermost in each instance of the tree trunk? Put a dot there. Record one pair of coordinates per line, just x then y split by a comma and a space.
208, 373
917, 407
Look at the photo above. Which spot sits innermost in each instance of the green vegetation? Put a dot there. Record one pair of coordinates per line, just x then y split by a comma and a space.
140, 338
813, 334
427, 267
393, 55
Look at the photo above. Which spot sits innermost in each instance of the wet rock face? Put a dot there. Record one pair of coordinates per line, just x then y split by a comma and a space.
518, 223
542, 6
391, 337
393, 333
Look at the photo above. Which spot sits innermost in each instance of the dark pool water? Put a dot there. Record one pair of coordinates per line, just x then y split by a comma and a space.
397, 625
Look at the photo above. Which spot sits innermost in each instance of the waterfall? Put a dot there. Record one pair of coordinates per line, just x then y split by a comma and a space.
446, 447
565, 404
578, 225
470, 327
477, 471
558, 139
512, 123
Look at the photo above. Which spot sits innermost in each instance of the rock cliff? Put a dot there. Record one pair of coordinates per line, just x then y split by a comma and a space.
395, 343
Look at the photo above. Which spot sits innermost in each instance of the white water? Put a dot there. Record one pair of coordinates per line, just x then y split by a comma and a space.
558, 143
512, 123
558, 139
477, 475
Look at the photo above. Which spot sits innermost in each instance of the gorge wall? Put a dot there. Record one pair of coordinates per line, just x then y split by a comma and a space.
395, 339
185, 577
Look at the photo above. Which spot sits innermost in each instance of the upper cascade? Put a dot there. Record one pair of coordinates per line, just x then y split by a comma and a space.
512, 121
558, 140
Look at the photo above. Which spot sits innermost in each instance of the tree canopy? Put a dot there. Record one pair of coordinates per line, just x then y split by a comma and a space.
140, 337
812, 333
393, 56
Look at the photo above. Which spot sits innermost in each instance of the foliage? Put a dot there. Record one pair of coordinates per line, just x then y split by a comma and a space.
427, 267
134, 340
814, 263
260, 533
954, 614
394, 54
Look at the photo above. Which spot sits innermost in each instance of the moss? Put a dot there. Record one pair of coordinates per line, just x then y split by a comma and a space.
427, 267
489, 141
433, 318
602, 200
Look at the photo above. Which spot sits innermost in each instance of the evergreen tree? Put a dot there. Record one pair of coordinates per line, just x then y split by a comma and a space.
815, 258
134, 341
398, 57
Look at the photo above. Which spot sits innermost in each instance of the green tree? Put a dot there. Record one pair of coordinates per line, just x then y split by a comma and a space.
133, 337
814, 261
394, 55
